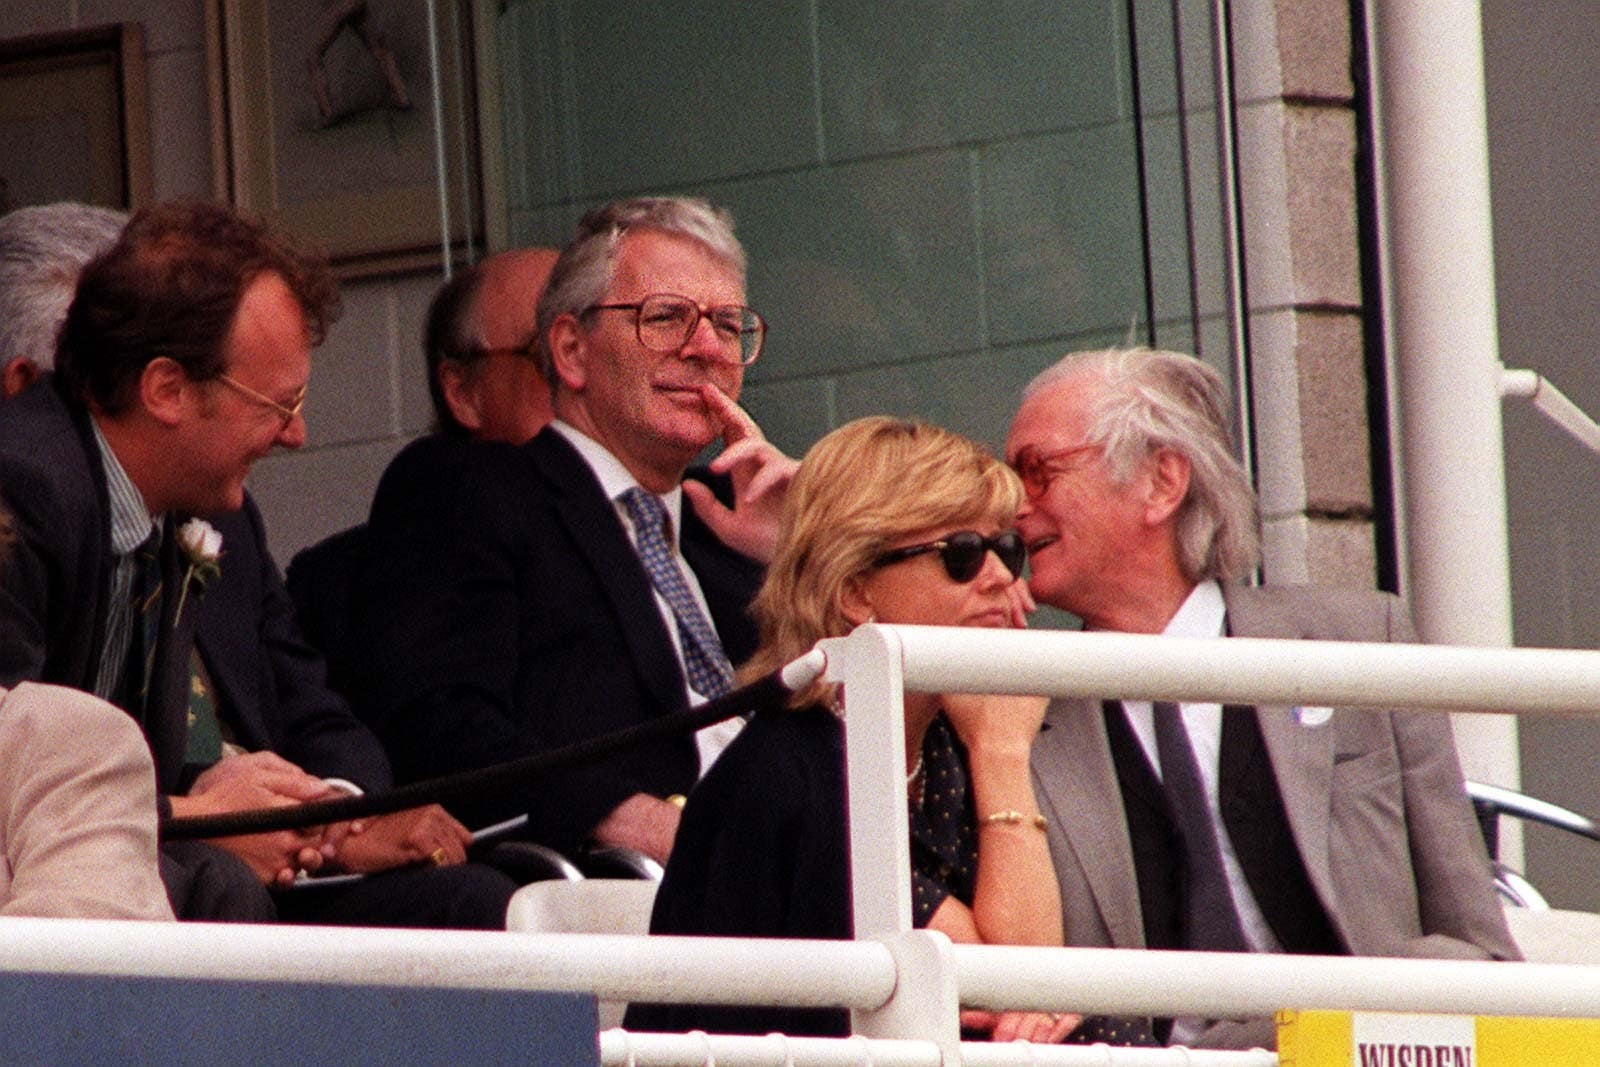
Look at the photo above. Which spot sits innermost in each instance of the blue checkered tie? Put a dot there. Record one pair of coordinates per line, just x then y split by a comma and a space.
710, 673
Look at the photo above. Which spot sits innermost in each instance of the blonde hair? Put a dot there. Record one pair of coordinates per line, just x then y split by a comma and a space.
862, 487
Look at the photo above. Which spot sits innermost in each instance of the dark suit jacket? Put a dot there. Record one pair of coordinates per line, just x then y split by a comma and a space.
55, 585
763, 851
272, 687
1374, 802
503, 611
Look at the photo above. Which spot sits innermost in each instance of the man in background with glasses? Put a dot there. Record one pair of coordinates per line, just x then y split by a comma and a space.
481, 358
1313, 830
562, 590
482, 352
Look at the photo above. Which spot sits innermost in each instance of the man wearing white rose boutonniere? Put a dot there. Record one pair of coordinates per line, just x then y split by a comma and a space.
184, 357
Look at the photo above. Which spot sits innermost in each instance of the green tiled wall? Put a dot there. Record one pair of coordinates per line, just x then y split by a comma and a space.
938, 197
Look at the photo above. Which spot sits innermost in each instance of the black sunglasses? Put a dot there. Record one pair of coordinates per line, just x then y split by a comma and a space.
962, 553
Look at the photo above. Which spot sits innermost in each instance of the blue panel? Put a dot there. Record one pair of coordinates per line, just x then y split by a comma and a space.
861, 264
793, 414
974, 394
74, 1019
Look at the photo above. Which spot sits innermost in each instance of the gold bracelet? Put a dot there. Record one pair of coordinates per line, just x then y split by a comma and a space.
1013, 817
677, 800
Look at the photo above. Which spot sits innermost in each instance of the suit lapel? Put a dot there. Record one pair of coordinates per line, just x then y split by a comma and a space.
101, 609
1078, 787
1299, 748
729, 582
592, 525
226, 630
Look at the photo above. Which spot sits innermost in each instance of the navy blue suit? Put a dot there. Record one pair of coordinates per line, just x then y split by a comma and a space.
272, 695
272, 686
56, 580
503, 612
54, 602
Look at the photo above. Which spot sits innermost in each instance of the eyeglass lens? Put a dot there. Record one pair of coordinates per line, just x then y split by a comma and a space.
667, 322
1037, 470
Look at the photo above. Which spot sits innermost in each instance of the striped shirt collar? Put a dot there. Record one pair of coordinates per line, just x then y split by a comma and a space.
131, 521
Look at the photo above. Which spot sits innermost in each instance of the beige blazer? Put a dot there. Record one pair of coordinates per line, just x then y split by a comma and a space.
77, 809
1375, 802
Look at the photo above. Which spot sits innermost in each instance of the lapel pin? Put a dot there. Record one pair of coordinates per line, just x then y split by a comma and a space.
1313, 715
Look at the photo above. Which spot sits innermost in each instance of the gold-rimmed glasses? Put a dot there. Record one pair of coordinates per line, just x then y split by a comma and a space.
285, 411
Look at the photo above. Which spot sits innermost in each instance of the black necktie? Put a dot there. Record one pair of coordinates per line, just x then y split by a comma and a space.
145, 624
1210, 920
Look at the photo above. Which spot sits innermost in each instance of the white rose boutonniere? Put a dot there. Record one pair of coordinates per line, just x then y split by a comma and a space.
202, 543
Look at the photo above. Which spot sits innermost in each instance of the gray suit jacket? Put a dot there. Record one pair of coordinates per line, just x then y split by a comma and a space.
77, 820
1374, 800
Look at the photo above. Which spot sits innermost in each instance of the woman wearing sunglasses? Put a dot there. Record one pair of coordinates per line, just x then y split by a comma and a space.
894, 522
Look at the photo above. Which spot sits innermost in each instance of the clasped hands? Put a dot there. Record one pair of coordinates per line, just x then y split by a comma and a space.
265, 780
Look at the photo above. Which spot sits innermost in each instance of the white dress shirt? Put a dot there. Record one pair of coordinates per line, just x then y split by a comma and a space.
615, 480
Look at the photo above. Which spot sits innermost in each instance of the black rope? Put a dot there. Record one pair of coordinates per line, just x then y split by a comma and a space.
764, 692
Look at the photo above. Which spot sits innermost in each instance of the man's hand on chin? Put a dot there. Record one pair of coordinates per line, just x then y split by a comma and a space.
760, 474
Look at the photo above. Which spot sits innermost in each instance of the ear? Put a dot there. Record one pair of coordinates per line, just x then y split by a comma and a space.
165, 391
855, 602
569, 350
17, 376
459, 386
1169, 484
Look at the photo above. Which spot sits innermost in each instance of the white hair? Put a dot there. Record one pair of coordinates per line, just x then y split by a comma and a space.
42, 251
1151, 399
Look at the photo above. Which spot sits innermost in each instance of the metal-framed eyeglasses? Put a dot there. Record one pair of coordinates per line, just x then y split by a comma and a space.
963, 553
529, 351
287, 412
664, 322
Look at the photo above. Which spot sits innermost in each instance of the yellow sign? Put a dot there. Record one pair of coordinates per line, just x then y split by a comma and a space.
1387, 1039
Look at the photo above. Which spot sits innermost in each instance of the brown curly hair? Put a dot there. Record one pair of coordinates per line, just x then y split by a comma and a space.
171, 286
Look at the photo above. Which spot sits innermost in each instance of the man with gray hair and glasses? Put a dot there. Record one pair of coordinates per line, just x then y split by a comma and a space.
1251, 829
562, 590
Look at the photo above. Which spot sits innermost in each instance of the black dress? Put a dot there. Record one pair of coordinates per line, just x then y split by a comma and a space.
763, 851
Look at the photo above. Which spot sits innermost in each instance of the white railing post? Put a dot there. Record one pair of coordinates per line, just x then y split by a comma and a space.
925, 1004
868, 663
1440, 266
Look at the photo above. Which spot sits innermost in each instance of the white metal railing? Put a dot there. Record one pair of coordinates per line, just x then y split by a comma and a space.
1552, 403
878, 663
904, 986
619, 1048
